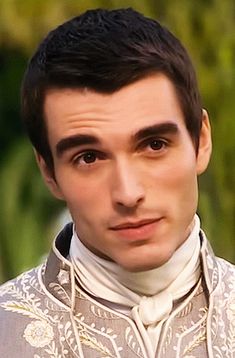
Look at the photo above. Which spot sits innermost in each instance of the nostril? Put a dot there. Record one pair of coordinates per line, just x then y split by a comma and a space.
129, 200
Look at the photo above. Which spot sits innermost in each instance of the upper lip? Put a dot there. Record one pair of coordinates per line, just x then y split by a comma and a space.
133, 224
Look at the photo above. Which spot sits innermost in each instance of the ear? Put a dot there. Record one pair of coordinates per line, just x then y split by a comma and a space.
48, 176
205, 145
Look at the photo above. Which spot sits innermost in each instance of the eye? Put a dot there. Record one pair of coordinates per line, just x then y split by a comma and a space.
89, 157
157, 144
86, 158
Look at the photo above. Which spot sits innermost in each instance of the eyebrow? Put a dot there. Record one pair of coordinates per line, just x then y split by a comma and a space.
156, 130
75, 141
86, 139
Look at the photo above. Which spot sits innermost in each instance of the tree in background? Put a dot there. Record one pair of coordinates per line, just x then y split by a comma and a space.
206, 27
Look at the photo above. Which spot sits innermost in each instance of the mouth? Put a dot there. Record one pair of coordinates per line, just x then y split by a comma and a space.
139, 230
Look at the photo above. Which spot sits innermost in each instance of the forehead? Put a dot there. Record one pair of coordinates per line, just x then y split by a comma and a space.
145, 102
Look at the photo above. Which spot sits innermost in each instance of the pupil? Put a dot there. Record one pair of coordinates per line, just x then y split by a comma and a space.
156, 144
89, 157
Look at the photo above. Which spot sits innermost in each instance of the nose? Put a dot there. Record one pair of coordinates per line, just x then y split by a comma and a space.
127, 190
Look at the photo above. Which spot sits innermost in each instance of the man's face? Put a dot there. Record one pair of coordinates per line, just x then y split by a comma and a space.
126, 166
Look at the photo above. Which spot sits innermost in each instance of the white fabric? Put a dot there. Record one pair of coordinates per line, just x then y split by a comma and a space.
148, 296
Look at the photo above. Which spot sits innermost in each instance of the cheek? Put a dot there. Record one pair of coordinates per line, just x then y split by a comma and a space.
183, 192
175, 179
82, 195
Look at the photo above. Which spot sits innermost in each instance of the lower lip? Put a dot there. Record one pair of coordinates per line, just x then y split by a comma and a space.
142, 232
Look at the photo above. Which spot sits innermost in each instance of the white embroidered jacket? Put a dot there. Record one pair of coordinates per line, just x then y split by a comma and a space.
43, 314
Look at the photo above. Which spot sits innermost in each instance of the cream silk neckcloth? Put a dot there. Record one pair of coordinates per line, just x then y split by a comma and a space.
149, 294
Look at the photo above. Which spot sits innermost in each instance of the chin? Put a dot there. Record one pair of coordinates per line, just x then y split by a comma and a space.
145, 262
141, 266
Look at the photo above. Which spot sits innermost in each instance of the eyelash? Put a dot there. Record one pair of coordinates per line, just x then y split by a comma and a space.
147, 143
81, 156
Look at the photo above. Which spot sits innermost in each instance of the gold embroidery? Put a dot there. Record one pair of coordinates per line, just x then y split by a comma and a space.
185, 311
89, 340
197, 340
92, 342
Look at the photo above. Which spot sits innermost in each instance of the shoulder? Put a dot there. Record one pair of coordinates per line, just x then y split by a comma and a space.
227, 275
24, 323
19, 285
16, 294
226, 287
226, 267
218, 272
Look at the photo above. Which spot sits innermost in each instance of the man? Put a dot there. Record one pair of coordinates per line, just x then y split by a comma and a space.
111, 105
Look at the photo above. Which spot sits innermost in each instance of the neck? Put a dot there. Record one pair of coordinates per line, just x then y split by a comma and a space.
140, 283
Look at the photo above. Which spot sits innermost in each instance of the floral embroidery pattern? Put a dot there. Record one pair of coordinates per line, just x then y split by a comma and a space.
231, 310
39, 333
231, 317
49, 328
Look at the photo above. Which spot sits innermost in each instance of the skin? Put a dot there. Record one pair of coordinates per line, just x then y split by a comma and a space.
132, 194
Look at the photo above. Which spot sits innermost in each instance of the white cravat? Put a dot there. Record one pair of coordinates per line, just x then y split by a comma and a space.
146, 296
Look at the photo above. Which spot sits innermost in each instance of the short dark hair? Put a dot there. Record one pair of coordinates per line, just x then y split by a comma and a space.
104, 50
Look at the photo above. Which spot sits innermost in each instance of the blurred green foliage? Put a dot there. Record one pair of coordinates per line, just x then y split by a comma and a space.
206, 27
